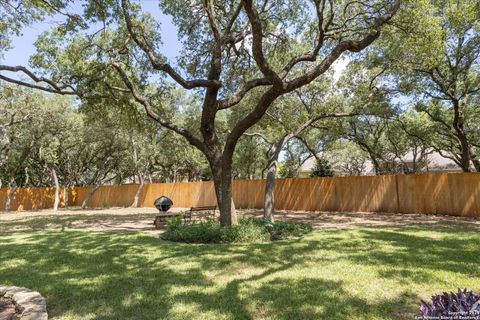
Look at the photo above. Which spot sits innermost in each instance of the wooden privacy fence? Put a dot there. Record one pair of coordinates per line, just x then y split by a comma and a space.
446, 193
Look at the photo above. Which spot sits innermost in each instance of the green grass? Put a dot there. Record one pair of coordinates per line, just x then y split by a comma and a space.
368, 273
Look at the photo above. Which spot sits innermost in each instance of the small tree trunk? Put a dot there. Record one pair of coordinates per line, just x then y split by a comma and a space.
138, 192
475, 161
65, 196
57, 189
89, 196
13, 188
27, 177
476, 164
269, 199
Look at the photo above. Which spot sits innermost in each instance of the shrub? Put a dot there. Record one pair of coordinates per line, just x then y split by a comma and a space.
322, 169
463, 303
248, 230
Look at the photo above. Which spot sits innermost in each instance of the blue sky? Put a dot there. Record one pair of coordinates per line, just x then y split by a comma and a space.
23, 46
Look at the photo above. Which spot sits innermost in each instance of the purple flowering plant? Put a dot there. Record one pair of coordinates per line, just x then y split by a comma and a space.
465, 303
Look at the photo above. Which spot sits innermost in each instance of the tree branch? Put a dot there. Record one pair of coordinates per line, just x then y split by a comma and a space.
257, 45
155, 61
238, 96
151, 112
258, 134
345, 45
53, 87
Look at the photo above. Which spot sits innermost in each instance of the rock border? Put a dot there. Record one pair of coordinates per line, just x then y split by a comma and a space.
30, 303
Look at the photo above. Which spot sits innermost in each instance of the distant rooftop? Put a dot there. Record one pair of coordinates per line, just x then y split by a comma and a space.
436, 162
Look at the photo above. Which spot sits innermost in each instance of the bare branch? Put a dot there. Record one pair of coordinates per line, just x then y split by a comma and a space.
234, 17
238, 96
151, 112
258, 134
212, 19
345, 45
53, 87
311, 121
257, 45
155, 61
309, 148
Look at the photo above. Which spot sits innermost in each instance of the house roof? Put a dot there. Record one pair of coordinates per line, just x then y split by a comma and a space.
436, 162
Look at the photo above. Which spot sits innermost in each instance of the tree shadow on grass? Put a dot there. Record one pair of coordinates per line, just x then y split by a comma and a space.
312, 298
124, 222
89, 275
448, 250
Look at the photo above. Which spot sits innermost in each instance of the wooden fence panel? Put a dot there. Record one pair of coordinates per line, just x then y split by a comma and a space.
248, 193
448, 193
367, 194
116, 195
183, 194
31, 198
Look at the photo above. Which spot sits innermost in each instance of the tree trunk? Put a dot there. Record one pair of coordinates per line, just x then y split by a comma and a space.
65, 196
228, 214
13, 188
27, 177
476, 164
475, 161
222, 179
462, 137
89, 196
269, 199
57, 189
138, 192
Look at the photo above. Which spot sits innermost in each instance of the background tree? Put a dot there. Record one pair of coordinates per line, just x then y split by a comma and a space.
36, 130
437, 65
322, 169
410, 137
346, 157
289, 118
56, 132
19, 140
13, 111
249, 159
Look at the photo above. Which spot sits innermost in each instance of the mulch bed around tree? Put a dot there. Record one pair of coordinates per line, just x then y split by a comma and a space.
8, 310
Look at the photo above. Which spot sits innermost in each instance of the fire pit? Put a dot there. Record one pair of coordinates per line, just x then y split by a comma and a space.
163, 204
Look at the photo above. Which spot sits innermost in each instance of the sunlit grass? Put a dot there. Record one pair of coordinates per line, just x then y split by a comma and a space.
367, 273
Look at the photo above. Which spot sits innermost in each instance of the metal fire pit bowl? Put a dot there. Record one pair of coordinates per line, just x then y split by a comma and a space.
163, 204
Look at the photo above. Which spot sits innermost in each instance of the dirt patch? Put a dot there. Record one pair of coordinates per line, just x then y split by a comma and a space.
112, 219
141, 219
8, 309
369, 219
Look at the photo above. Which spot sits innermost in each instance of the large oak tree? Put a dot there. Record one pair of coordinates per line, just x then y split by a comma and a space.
231, 49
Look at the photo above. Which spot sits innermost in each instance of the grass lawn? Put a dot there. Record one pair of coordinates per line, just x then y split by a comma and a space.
356, 273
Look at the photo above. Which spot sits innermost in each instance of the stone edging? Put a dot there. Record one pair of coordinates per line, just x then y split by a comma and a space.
31, 303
